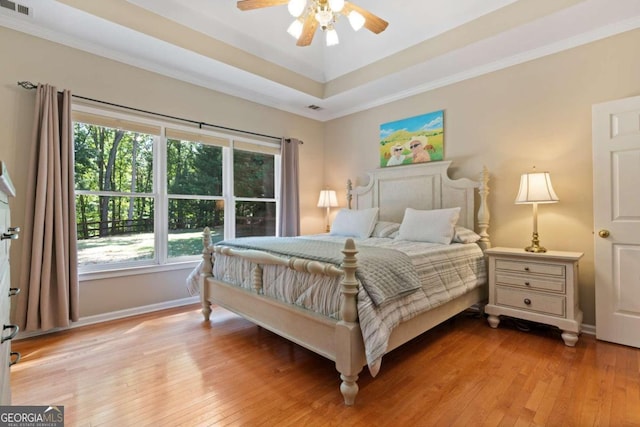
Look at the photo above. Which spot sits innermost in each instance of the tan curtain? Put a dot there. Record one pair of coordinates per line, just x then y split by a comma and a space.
289, 193
49, 271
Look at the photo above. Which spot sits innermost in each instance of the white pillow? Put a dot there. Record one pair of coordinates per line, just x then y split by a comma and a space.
464, 235
354, 223
385, 229
433, 226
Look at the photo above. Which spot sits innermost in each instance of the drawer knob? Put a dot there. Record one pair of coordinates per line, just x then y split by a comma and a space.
15, 357
526, 269
14, 332
12, 233
527, 301
527, 284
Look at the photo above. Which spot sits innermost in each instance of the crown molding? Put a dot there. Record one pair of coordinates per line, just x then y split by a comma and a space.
295, 102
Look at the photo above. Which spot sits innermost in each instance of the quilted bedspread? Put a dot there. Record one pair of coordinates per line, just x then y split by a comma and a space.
384, 273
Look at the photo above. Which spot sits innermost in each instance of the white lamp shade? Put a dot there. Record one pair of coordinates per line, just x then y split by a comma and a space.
327, 199
536, 188
332, 37
356, 20
336, 5
295, 29
296, 7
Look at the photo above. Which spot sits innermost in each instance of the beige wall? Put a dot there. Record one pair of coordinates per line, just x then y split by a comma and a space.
29, 58
537, 113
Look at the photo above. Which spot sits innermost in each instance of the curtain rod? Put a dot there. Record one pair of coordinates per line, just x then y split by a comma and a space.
29, 85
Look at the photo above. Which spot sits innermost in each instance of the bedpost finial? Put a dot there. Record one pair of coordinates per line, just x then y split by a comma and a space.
349, 250
483, 212
349, 284
350, 244
206, 237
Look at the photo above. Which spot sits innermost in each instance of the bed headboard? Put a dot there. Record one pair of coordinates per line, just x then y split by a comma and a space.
424, 186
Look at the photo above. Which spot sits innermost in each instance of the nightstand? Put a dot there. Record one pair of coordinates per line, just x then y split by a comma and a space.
540, 287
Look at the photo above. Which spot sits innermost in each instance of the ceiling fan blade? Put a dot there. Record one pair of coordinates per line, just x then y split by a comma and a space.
308, 30
258, 4
372, 22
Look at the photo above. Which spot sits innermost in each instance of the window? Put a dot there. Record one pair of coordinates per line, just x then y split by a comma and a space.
255, 193
145, 191
194, 178
115, 198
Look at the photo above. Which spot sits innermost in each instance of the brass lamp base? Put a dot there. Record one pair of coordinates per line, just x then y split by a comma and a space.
535, 245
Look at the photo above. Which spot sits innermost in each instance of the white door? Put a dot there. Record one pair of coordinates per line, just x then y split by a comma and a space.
616, 212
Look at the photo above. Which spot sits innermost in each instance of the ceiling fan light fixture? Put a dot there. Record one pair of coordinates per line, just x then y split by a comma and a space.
311, 15
295, 29
336, 5
332, 37
356, 20
296, 7
324, 17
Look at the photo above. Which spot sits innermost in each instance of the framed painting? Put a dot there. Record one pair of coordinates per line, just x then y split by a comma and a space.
413, 140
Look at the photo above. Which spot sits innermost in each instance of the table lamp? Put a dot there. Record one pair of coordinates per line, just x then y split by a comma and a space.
327, 200
535, 187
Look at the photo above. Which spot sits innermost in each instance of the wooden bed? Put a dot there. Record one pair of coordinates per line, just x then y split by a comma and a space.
424, 186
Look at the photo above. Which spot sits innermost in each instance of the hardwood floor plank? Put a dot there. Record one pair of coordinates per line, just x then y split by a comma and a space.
545, 408
172, 369
632, 395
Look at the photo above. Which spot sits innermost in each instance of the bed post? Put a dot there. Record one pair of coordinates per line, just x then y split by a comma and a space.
349, 343
349, 193
206, 271
483, 211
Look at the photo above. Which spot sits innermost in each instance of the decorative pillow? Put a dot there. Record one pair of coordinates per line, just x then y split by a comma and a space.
354, 223
433, 226
464, 235
385, 229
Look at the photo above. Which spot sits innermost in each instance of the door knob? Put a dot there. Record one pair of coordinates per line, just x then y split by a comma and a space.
604, 233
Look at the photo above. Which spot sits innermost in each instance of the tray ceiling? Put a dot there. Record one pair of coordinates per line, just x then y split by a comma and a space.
428, 44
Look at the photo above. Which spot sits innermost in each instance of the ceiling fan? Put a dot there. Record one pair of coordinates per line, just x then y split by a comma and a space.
310, 14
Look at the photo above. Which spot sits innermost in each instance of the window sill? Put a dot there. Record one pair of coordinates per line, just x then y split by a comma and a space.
86, 276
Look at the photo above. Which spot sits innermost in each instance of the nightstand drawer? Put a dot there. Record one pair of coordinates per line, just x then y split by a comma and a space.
530, 267
531, 301
531, 282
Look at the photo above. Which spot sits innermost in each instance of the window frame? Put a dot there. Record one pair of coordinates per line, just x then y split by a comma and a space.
161, 197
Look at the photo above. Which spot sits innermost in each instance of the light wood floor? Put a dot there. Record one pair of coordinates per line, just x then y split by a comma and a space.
171, 369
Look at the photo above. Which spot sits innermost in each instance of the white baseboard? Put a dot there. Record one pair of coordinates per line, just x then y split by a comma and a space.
589, 329
120, 314
114, 315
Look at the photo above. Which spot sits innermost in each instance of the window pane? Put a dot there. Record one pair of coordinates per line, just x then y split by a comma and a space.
109, 159
114, 229
194, 168
255, 219
253, 174
187, 220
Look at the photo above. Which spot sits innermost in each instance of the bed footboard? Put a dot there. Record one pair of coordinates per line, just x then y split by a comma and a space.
206, 271
340, 341
348, 330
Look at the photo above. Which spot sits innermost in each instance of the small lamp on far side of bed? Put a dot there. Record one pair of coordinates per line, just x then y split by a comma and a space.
535, 187
327, 200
